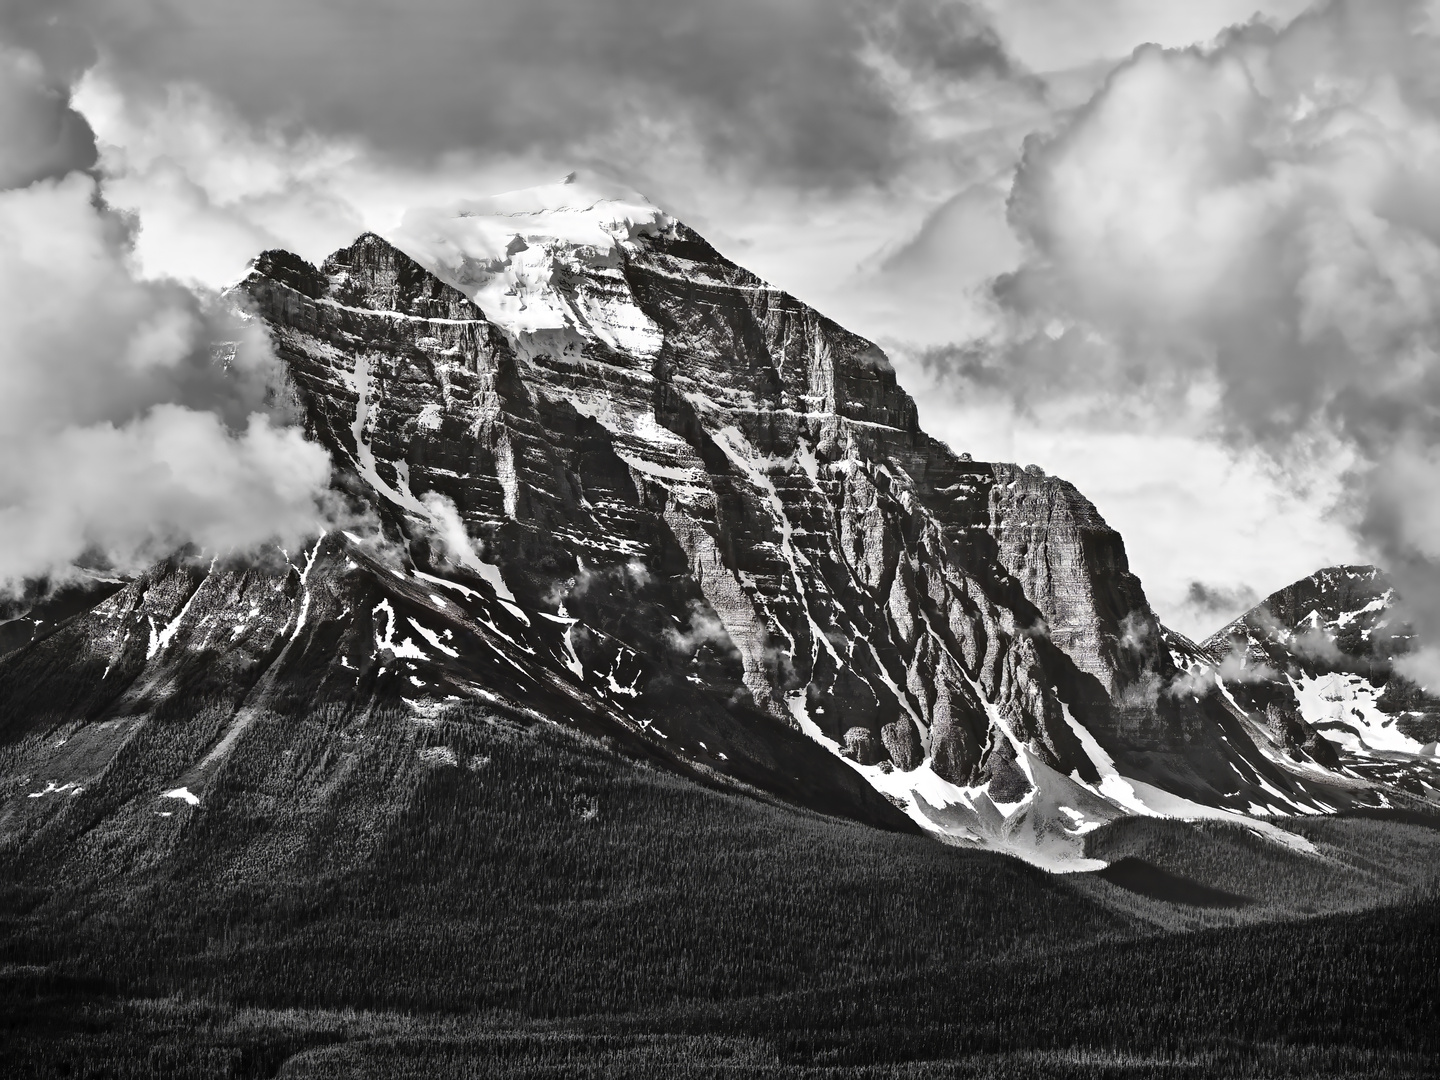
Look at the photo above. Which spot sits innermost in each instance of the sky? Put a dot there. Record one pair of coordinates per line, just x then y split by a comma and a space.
1179, 252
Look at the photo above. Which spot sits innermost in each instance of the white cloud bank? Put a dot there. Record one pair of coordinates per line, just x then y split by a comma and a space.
1257, 221
123, 434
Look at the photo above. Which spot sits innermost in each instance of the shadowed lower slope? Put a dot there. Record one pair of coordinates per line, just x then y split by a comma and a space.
521, 901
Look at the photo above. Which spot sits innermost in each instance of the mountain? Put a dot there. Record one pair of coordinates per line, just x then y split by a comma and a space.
1314, 666
607, 724
594, 473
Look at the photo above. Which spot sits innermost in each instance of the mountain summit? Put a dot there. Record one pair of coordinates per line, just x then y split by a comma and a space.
615, 481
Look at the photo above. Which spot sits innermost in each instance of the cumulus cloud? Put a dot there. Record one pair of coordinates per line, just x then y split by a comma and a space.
135, 492
1251, 226
1257, 212
134, 415
928, 287
211, 190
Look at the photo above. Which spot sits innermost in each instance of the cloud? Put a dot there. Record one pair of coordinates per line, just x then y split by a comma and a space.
1137, 634
133, 493
40, 134
939, 38
1212, 606
1247, 232
1217, 599
1051, 35
449, 529
800, 89
123, 432
962, 242
1237, 666
1308, 641
135, 416
211, 190
704, 628
1257, 213
872, 113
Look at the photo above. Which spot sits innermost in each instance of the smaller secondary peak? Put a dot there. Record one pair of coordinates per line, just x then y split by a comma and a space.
370, 273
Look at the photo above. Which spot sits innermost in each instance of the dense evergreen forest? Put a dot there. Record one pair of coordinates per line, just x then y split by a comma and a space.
472, 896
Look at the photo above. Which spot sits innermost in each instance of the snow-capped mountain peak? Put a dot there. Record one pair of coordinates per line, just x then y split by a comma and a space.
516, 254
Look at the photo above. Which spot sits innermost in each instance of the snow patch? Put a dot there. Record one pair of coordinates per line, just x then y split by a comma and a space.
433, 638
360, 381
1112, 785
159, 641
52, 788
1343, 708
1080, 824
463, 590
405, 648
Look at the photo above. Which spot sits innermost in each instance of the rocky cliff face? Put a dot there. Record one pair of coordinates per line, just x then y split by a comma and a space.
749, 468
1073, 567
611, 478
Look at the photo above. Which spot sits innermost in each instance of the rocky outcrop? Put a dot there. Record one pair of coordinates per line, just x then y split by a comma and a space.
1313, 666
43, 606
1289, 730
1338, 618
1073, 567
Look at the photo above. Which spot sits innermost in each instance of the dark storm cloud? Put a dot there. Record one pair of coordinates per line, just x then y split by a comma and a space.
40, 134
790, 87
940, 37
49, 30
